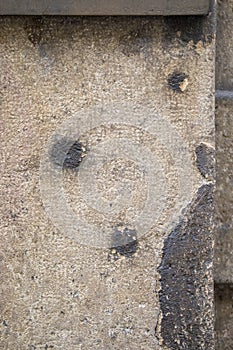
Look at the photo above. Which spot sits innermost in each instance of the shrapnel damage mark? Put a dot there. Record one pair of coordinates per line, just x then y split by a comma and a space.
178, 81
124, 242
67, 153
186, 278
205, 160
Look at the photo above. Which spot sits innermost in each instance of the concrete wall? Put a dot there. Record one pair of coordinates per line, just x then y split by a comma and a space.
224, 316
224, 142
224, 200
146, 82
224, 49
224, 156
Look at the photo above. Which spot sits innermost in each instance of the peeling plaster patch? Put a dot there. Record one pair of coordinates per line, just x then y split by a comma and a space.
178, 81
185, 272
205, 160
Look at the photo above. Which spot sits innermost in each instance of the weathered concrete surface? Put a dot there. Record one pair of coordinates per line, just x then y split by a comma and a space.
224, 175
224, 145
56, 293
224, 190
224, 49
224, 316
104, 7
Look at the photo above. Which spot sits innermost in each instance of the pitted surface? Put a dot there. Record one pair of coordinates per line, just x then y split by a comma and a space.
57, 293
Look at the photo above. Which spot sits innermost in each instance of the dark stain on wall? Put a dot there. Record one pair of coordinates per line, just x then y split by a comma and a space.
186, 270
187, 29
48, 30
205, 160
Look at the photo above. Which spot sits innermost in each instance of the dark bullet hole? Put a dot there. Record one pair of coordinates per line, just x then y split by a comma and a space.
175, 81
67, 153
124, 242
35, 29
205, 160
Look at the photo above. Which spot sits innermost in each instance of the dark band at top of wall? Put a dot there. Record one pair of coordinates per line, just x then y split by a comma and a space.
104, 7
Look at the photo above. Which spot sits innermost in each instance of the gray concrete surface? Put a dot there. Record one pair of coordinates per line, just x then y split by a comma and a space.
224, 189
104, 7
224, 49
224, 143
56, 292
224, 204
224, 316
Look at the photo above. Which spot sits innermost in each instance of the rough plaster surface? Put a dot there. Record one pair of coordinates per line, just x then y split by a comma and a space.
224, 188
56, 293
224, 50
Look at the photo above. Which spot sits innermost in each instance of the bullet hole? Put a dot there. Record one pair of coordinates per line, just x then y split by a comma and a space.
67, 153
35, 28
178, 82
13, 215
124, 243
205, 160
4, 323
34, 277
